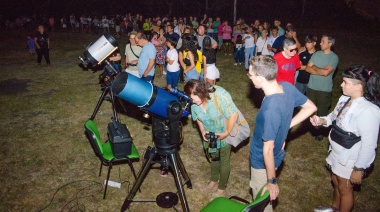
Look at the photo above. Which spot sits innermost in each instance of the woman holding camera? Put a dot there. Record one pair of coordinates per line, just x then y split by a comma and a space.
210, 106
353, 138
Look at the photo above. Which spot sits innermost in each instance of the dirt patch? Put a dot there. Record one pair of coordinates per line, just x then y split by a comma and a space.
14, 86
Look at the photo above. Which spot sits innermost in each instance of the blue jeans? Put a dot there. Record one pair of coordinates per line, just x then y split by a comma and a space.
239, 55
249, 52
192, 74
220, 41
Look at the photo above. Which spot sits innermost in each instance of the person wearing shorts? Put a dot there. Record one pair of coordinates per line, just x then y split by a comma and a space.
172, 67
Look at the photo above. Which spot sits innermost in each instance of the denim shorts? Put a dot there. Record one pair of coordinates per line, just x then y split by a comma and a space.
192, 74
172, 78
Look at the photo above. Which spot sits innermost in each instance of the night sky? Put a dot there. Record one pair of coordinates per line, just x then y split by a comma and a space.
287, 10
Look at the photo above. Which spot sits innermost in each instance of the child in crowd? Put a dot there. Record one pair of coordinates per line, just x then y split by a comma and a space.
31, 45
239, 51
173, 67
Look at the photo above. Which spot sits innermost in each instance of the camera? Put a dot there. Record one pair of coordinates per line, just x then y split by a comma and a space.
212, 143
212, 138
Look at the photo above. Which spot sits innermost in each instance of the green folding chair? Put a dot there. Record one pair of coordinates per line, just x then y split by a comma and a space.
105, 154
229, 204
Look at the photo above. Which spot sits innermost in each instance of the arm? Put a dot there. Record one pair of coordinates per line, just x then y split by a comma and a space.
35, 42
168, 60
298, 44
274, 50
312, 69
180, 60
367, 125
202, 129
306, 111
48, 42
270, 168
192, 64
214, 45
149, 67
204, 67
230, 124
126, 61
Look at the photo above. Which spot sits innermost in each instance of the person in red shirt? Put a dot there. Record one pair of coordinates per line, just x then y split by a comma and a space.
287, 61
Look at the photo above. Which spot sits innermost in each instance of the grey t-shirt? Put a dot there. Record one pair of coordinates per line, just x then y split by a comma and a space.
200, 41
321, 60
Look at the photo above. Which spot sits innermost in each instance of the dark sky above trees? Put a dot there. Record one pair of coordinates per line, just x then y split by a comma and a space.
287, 10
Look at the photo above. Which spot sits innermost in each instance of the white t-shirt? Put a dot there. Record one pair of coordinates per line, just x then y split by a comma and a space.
173, 55
271, 40
262, 46
249, 42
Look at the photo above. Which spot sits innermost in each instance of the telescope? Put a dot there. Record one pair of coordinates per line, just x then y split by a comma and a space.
98, 53
166, 107
153, 99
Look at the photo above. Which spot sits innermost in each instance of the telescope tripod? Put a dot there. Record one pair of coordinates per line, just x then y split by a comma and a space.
165, 153
106, 91
168, 159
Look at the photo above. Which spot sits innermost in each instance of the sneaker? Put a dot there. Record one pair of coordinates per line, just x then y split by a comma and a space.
239, 63
164, 72
164, 173
235, 64
324, 209
230, 54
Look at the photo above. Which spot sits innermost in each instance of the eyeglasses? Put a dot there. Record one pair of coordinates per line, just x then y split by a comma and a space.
292, 50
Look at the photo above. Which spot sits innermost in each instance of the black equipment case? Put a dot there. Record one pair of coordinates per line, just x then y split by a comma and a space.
120, 138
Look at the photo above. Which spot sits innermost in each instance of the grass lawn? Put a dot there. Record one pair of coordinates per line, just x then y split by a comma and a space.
48, 163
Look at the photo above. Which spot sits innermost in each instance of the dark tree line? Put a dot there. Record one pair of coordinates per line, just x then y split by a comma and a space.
287, 10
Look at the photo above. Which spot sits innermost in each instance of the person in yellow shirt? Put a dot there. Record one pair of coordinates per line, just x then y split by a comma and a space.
190, 58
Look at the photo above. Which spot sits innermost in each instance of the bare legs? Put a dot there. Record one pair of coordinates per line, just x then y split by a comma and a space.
343, 194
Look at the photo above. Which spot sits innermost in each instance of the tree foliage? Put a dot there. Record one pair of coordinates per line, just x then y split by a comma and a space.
367, 8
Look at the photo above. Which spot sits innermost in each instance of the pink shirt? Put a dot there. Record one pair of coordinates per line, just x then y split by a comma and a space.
220, 30
227, 33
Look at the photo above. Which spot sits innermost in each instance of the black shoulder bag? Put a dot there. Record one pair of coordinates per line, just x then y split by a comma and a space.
130, 46
341, 137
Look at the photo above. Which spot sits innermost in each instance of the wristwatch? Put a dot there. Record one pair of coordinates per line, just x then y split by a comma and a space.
272, 181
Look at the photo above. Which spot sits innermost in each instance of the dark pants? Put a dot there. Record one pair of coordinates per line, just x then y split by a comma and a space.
43, 52
322, 100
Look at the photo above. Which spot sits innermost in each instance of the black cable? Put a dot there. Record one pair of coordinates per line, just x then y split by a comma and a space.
76, 199
65, 185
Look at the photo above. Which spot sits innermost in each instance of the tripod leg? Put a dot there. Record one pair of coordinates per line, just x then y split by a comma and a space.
182, 169
101, 99
140, 178
176, 172
113, 104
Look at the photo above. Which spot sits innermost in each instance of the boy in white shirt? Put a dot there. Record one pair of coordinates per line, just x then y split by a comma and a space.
172, 67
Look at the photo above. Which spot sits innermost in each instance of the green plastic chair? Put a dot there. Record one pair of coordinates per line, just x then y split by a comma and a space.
105, 154
228, 204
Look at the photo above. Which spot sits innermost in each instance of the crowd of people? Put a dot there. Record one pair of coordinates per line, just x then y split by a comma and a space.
291, 75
